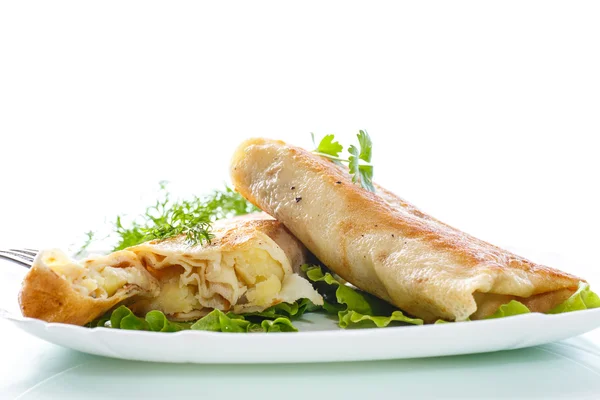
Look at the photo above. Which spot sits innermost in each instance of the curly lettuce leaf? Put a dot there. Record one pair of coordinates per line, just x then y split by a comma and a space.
353, 319
286, 310
509, 309
124, 318
355, 309
158, 322
582, 299
278, 325
337, 297
216, 321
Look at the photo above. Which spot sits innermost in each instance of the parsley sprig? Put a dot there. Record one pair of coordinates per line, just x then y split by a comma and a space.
359, 159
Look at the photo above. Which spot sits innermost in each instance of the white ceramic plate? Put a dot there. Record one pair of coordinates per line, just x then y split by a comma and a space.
319, 339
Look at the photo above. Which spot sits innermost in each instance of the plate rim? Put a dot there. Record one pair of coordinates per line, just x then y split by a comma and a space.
335, 331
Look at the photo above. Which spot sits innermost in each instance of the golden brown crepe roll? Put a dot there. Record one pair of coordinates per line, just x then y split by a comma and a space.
59, 289
250, 265
386, 246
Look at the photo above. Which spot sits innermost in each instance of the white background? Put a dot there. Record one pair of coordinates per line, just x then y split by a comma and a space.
485, 115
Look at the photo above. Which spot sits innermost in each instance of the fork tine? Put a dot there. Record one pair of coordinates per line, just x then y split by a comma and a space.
22, 256
28, 252
17, 258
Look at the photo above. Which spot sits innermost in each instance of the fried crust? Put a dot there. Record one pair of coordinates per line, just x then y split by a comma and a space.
385, 245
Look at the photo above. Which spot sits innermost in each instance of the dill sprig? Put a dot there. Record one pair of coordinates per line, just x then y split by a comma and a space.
90, 237
168, 218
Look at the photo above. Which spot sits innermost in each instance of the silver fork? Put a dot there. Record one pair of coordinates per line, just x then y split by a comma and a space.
24, 257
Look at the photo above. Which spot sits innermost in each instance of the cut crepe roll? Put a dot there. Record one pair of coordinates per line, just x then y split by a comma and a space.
384, 245
59, 289
250, 264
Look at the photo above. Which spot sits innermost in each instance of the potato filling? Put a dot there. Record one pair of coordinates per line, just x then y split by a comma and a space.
95, 278
247, 280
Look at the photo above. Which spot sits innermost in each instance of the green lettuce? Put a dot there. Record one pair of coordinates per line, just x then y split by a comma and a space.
511, 308
286, 310
124, 318
278, 325
216, 321
582, 299
355, 308
354, 319
158, 322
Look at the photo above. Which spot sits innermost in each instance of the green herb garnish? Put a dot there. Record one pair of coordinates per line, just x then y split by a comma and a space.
168, 218
192, 218
359, 161
90, 237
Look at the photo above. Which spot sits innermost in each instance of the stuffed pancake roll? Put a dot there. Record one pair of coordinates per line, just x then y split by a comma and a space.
386, 246
59, 289
249, 265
